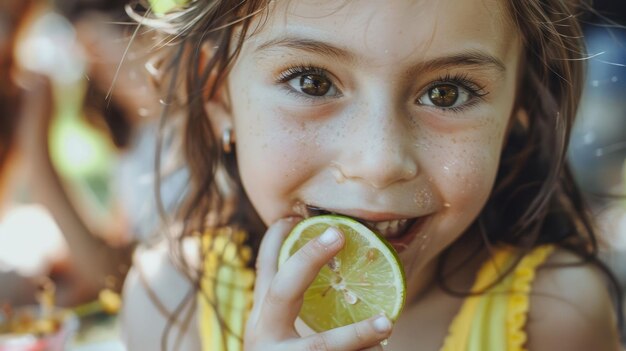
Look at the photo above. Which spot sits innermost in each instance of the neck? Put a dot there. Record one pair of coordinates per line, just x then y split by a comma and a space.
462, 261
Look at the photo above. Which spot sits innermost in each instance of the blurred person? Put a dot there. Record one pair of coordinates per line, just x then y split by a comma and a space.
81, 256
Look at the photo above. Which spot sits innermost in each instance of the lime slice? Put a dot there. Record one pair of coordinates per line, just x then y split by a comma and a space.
364, 279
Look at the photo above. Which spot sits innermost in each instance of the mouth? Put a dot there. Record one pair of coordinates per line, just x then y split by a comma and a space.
399, 232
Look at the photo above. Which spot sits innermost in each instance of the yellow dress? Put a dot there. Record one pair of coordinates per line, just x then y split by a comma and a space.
226, 277
492, 321
496, 319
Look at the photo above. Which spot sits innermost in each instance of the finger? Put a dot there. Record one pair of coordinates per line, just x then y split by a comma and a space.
363, 335
266, 264
374, 348
284, 296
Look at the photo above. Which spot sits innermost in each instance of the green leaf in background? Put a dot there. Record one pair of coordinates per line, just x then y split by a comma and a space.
160, 7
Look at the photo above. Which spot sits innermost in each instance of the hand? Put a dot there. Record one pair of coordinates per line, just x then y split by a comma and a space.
278, 297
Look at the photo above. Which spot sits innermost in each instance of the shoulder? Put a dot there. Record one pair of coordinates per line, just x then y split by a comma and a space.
570, 307
154, 289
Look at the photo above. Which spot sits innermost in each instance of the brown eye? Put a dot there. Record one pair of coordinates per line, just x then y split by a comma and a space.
314, 84
444, 95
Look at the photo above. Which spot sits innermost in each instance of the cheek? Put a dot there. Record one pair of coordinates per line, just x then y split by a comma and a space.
465, 168
276, 153
466, 176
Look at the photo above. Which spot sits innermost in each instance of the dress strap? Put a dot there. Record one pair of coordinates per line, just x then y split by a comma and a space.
225, 295
495, 319
519, 299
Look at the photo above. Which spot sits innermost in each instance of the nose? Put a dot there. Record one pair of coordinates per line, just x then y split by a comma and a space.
379, 150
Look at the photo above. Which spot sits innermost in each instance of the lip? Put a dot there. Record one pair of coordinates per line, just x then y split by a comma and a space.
365, 215
400, 243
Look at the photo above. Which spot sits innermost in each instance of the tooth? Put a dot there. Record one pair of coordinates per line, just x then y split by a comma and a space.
393, 227
382, 226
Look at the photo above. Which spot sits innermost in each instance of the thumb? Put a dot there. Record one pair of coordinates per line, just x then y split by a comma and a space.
267, 259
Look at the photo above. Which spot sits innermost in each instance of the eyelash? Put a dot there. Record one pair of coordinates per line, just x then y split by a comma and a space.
476, 91
299, 70
461, 80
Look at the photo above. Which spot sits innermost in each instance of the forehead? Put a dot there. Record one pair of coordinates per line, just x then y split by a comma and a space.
380, 31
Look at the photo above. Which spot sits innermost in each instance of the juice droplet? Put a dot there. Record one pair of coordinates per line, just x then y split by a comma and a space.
350, 297
371, 255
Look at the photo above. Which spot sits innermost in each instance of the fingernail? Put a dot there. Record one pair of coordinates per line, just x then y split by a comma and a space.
293, 219
329, 237
381, 324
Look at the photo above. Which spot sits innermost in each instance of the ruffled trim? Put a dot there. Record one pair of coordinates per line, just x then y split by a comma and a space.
518, 288
519, 300
459, 330
226, 286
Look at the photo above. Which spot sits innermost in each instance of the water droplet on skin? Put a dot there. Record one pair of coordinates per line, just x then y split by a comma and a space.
384, 342
446, 205
350, 297
339, 177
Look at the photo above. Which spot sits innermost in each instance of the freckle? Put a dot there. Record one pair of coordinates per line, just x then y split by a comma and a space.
423, 198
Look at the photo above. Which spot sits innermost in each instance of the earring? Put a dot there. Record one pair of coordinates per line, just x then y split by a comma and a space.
227, 140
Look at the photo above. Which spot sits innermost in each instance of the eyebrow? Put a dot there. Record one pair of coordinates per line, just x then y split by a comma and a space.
468, 58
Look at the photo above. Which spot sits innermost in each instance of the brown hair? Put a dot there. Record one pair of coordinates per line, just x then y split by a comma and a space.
535, 199
201, 22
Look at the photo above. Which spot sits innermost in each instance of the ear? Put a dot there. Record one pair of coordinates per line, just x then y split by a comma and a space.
518, 117
217, 106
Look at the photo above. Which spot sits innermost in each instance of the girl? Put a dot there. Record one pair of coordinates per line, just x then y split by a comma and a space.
450, 117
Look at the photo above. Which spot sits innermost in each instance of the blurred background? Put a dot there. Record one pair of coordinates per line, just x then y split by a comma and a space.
598, 144
77, 139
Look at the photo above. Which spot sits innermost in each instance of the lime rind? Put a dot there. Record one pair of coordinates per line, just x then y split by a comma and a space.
358, 238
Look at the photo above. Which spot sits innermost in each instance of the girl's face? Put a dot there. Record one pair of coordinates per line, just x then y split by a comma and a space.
392, 112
